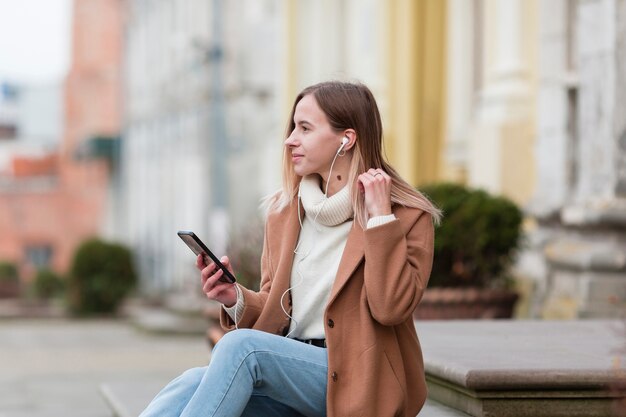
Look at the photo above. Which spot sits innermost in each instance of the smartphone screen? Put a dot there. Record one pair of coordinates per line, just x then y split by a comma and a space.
199, 248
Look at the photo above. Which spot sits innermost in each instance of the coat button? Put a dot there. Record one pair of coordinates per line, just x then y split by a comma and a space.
334, 376
331, 323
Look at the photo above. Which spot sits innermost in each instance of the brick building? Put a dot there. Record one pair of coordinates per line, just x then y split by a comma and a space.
51, 200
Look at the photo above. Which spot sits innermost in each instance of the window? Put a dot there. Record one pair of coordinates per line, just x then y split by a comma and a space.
39, 255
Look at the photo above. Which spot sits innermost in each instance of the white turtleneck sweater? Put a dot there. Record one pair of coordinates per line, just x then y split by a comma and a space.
325, 228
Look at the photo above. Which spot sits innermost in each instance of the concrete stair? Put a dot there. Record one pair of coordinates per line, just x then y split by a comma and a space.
179, 314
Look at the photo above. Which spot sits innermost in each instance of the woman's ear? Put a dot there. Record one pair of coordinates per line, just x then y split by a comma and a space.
350, 134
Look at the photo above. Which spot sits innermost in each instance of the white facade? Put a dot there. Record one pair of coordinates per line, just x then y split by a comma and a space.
169, 141
340, 40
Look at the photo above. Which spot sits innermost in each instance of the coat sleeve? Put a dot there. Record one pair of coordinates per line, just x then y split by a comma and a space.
253, 301
397, 268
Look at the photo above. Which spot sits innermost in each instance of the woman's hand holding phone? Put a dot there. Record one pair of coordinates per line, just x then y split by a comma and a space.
215, 289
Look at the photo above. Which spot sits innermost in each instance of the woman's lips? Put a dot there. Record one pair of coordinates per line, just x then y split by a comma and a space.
296, 157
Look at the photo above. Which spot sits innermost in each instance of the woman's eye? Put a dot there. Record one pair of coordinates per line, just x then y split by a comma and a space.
304, 128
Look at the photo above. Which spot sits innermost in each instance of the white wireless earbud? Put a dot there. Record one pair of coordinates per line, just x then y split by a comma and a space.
344, 142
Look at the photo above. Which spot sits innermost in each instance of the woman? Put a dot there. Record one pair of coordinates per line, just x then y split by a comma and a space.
346, 258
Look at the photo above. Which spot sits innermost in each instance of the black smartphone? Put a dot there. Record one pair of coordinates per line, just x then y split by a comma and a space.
198, 247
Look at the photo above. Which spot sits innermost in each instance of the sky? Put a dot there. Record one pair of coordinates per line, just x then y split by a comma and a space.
34, 40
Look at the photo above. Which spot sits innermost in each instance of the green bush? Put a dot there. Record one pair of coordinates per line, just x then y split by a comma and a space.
48, 284
477, 239
101, 275
9, 280
9, 273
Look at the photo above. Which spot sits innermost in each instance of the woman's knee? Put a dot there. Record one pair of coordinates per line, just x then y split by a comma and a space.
193, 376
241, 341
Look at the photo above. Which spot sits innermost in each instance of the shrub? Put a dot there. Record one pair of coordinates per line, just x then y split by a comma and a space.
9, 273
101, 275
9, 280
477, 239
48, 284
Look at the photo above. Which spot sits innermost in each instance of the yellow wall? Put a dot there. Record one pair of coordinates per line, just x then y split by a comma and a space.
415, 79
417, 62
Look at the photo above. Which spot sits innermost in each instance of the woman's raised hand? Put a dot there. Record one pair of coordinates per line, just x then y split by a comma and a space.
376, 185
215, 289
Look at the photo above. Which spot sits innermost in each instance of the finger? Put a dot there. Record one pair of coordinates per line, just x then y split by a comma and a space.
212, 281
383, 173
200, 262
226, 262
365, 180
218, 289
375, 171
374, 175
215, 278
208, 271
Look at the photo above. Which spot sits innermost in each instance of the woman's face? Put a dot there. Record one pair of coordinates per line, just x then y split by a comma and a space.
313, 144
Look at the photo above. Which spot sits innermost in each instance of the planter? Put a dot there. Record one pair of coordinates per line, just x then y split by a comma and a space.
465, 303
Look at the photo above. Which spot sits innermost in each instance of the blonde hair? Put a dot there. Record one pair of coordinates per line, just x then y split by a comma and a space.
351, 106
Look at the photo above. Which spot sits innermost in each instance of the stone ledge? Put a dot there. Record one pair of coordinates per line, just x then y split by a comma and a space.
161, 321
586, 256
524, 368
601, 212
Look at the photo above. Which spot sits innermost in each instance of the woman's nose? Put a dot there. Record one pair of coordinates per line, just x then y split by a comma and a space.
290, 141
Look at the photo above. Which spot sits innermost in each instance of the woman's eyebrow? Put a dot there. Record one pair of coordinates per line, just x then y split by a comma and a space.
303, 122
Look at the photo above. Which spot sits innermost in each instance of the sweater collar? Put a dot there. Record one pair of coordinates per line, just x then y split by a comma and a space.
333, 210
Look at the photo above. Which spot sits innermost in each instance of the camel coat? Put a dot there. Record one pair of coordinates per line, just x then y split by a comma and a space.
375, 365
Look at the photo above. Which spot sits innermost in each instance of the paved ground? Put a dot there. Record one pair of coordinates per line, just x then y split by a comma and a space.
53, 368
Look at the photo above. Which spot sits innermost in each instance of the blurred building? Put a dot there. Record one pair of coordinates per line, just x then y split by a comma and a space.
203, 80
520, 97
56, 148
535, 111
397, 48
580, 193
209, 89
31, 124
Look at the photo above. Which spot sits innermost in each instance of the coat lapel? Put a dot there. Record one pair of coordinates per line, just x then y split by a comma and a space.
352, 256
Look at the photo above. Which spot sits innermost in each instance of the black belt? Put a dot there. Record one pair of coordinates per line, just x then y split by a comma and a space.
315, 342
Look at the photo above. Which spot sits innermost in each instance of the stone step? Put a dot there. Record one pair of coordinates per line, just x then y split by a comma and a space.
15, 308
128, 399
162, 321
177, 314
525, 368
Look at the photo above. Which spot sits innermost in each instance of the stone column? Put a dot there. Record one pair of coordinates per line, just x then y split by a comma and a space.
586, 247
620, 99
556, 97
501, 144
460, 87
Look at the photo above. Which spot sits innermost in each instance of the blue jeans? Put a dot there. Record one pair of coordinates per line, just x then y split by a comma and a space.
251, 373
